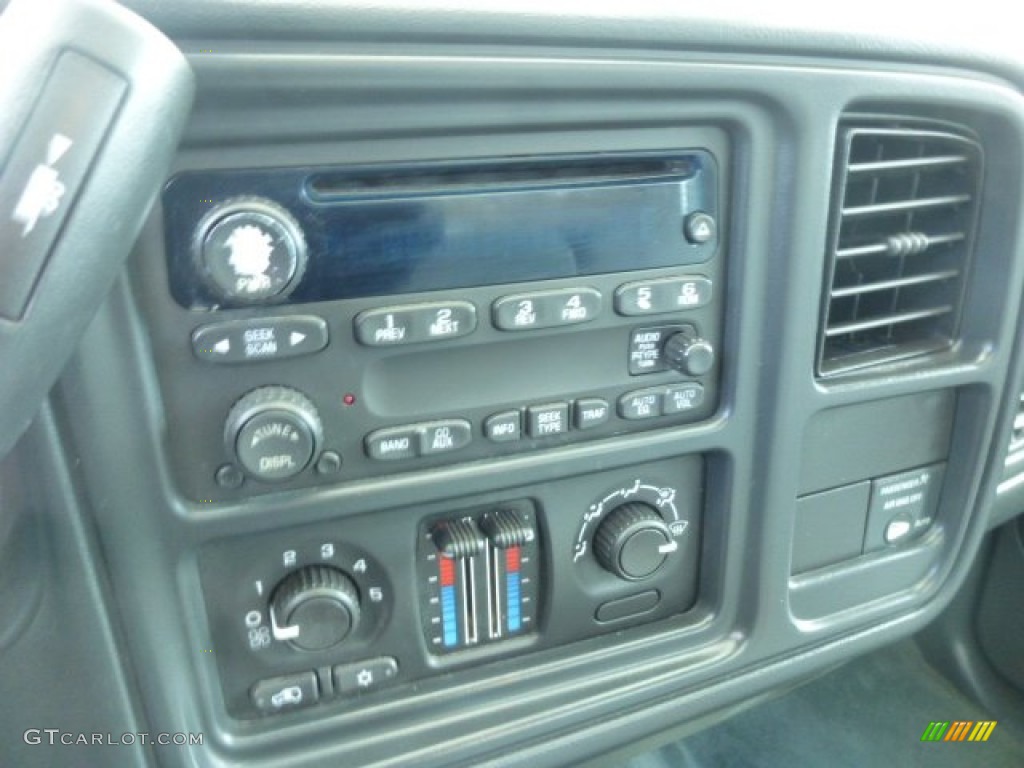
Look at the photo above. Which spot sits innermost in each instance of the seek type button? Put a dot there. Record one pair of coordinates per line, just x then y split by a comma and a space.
444, 436
547, 420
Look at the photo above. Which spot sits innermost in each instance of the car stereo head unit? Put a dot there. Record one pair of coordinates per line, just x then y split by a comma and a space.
304, 235
351, 322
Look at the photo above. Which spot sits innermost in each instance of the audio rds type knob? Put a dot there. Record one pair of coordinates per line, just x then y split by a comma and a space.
315, 607
688, 353
250, 250
274, 432
633, 541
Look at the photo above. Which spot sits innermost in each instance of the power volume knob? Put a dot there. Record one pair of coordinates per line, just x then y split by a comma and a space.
315, 608
688, 353
250, 250
274, 432
633, 541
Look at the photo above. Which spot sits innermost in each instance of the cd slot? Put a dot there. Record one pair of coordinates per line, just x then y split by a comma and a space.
368, 184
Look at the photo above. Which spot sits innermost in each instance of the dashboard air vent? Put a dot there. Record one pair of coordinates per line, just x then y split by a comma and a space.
900, 242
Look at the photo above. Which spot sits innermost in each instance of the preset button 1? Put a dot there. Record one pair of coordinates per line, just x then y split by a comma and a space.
414, 323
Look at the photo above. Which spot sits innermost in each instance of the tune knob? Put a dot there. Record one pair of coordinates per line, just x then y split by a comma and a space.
274, 432
633, 541
250, 250
688, 353
315, 608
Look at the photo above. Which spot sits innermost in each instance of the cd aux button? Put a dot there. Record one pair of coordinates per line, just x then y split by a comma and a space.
444, 436
415, 323
547, 309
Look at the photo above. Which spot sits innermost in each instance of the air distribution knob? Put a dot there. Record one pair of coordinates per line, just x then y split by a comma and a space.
315, 608
688, 353
633, 541
273, 432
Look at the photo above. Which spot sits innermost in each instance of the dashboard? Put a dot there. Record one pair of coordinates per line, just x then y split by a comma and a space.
521, 385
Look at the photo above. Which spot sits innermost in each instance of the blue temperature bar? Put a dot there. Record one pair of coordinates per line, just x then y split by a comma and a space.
513, 608
448, 623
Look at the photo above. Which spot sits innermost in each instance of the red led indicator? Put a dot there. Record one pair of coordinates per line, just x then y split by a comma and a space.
349, 399
447, 572
512, 559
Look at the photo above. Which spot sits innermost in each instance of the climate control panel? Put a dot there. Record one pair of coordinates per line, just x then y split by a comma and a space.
337, 611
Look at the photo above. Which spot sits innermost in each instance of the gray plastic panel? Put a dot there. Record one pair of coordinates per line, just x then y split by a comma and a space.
829, 526
860, 442
565, 704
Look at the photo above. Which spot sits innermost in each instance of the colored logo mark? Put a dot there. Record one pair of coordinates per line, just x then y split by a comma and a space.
958, 730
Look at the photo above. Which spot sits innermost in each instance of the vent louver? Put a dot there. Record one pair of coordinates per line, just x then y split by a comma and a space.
900, 243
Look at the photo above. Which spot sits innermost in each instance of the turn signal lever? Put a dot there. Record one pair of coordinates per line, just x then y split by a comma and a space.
92, 102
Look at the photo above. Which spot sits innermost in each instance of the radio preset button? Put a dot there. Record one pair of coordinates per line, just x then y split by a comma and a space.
590, 412
548, 309
504, 427
682, 397
415, 323
547, 420
671, 294
641, 404
444, 436
272, 338
393, 444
